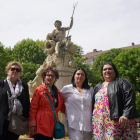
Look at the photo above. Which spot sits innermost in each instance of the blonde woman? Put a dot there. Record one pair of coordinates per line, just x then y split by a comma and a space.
18, 91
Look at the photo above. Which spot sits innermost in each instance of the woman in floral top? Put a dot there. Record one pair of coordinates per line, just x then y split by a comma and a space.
114, 111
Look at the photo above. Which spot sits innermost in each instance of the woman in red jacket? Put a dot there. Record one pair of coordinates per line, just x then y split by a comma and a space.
41, 119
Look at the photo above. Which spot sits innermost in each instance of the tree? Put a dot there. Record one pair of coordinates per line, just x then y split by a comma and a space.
31, 55
40, 43
29, 71
4, 59
9, 51
138, 102
79, 51
28, 51
128, 65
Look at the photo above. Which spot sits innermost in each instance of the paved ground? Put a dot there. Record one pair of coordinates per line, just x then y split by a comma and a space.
32, 139
54, 139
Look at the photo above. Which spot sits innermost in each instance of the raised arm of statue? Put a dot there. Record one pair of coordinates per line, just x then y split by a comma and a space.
71, 24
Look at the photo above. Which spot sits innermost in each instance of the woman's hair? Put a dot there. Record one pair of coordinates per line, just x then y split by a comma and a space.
13, 63
113, 66
85, 83
45, 71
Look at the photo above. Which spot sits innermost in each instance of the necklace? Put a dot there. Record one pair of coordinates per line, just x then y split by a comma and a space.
79, 89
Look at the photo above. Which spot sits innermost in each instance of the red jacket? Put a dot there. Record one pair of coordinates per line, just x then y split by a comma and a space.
40, 114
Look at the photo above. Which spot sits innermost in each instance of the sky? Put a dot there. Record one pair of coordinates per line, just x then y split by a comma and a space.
98, 24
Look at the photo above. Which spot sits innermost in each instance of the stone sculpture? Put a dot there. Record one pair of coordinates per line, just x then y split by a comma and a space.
60, 51
37, 80
59, 47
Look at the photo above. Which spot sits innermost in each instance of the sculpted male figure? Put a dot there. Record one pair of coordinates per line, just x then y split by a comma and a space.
58, 35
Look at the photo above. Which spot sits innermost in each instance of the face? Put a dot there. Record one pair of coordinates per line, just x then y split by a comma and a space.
50, 78
57, 25
79, 76
14, 72
108, 73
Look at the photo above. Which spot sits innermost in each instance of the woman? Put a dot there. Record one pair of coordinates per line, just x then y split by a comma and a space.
41, 119
78, 101
114, 107
12, 86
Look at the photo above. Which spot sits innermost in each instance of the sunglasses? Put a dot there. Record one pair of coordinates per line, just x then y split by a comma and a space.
17, 69
52, 76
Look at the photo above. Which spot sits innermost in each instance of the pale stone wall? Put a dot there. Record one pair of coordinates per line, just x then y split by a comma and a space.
65, 75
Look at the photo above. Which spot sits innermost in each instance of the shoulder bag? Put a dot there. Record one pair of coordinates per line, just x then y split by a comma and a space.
17, 124
59, 129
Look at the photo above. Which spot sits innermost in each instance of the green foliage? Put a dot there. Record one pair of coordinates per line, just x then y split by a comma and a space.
9, 51
108, 56
41, 43
29, 69
78, 56
28, 50
5, 57
138, 102
128, 64
79, 52
31, 55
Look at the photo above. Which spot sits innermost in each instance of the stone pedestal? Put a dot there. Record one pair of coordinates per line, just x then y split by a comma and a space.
65, 75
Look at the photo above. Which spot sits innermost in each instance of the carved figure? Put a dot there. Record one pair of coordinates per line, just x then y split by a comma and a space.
37, 80
58, 39
59, 47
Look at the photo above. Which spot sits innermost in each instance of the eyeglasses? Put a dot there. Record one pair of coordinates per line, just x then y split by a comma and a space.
17, 69
52, 76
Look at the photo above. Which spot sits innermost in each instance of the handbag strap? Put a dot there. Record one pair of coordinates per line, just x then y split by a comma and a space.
53, 110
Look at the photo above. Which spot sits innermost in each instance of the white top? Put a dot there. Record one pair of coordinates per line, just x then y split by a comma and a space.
78, 107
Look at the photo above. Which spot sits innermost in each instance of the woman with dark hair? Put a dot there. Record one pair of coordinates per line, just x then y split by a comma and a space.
78, 101
114, 111
14, 99
41, 119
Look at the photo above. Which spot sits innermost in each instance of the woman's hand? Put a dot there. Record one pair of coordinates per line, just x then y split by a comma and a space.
123, 121
32, 130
